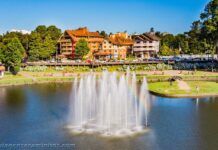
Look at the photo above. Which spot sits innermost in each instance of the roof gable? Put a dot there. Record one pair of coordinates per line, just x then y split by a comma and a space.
82, 32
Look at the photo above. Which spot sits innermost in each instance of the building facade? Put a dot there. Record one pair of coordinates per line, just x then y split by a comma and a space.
2, 70
146, 45
68, 39
115, 46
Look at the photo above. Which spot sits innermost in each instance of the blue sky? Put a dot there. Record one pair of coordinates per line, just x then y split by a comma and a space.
173, 16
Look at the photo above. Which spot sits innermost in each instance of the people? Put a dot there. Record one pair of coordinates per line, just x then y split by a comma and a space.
197, 89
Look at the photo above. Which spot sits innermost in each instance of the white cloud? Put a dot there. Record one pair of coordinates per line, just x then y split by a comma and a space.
21, 31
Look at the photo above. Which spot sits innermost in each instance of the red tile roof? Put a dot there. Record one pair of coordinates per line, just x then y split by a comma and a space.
82, 32
120, 40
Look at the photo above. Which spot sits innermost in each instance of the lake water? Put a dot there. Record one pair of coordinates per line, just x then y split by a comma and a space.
36, 114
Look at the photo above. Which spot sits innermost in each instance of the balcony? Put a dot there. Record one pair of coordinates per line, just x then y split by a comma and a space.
144, 49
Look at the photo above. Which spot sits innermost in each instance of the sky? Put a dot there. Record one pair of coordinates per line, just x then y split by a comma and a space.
174, 16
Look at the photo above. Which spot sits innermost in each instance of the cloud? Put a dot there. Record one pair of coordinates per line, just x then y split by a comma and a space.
21, 31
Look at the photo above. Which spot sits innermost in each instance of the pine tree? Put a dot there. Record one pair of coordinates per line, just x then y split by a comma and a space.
35, 46
13, 54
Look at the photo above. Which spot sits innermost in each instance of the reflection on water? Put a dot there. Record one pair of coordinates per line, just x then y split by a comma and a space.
37, 114
15, 98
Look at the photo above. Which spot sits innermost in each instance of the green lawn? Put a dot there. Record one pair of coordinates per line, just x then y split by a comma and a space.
157, 83
205, 87
20, 80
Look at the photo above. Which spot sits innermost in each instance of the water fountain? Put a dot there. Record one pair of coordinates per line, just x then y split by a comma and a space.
109, 104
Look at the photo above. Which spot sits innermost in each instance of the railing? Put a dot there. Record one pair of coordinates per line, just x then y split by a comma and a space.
94, 63
144, 49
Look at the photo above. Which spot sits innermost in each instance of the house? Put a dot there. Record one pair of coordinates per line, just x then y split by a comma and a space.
68, 39
115, 46
2, 70
146, 45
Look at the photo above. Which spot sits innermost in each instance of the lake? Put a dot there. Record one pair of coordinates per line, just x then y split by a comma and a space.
37, 114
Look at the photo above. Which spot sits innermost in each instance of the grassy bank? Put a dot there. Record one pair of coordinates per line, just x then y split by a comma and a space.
197, 88
158, 80
10, 80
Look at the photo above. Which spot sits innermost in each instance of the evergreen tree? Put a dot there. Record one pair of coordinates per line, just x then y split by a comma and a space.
103, 34
35, 46
13, 54
210, 23
48, 48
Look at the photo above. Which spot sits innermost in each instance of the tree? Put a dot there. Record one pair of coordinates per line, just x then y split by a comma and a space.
41, 30
35, 46
182, 43
13, 54
1, 51
23, 38
103, 34
165, 50
54, 33
48, 48
152, 29
43, 42
210, 22
82, 48
205, 30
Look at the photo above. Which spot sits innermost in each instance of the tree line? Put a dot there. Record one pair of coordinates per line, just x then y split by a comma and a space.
201, 39
42, 43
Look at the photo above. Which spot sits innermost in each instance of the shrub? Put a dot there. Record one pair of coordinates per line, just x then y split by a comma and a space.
14, 70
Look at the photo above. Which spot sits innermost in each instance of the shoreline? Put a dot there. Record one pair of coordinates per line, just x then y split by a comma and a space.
69, 80
26, 81
184, 95
29, 78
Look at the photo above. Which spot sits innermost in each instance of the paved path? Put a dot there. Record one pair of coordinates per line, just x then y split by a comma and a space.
183, 85
26, 75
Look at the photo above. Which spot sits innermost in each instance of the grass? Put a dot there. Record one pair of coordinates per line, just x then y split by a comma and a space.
157, 82
20, 80
15, 81
205, 87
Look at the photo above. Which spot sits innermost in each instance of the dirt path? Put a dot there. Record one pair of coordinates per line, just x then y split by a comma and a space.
26, 75
183, 85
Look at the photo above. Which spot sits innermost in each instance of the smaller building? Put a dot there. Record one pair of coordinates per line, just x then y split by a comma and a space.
115, 46
146, 45
2, 70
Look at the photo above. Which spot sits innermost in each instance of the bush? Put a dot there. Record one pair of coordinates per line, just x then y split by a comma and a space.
14, 70
35, 68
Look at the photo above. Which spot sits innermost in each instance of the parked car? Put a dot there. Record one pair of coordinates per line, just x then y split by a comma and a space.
52, 61
153, 59
175, 59
89, 61
78, 61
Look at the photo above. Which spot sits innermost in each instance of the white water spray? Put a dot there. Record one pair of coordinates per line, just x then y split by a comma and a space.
109, 105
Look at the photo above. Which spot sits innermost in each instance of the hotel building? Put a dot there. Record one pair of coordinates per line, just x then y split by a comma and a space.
146, 45
68, 39
115, 46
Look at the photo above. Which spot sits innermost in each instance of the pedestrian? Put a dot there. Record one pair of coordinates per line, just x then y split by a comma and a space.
197, 89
